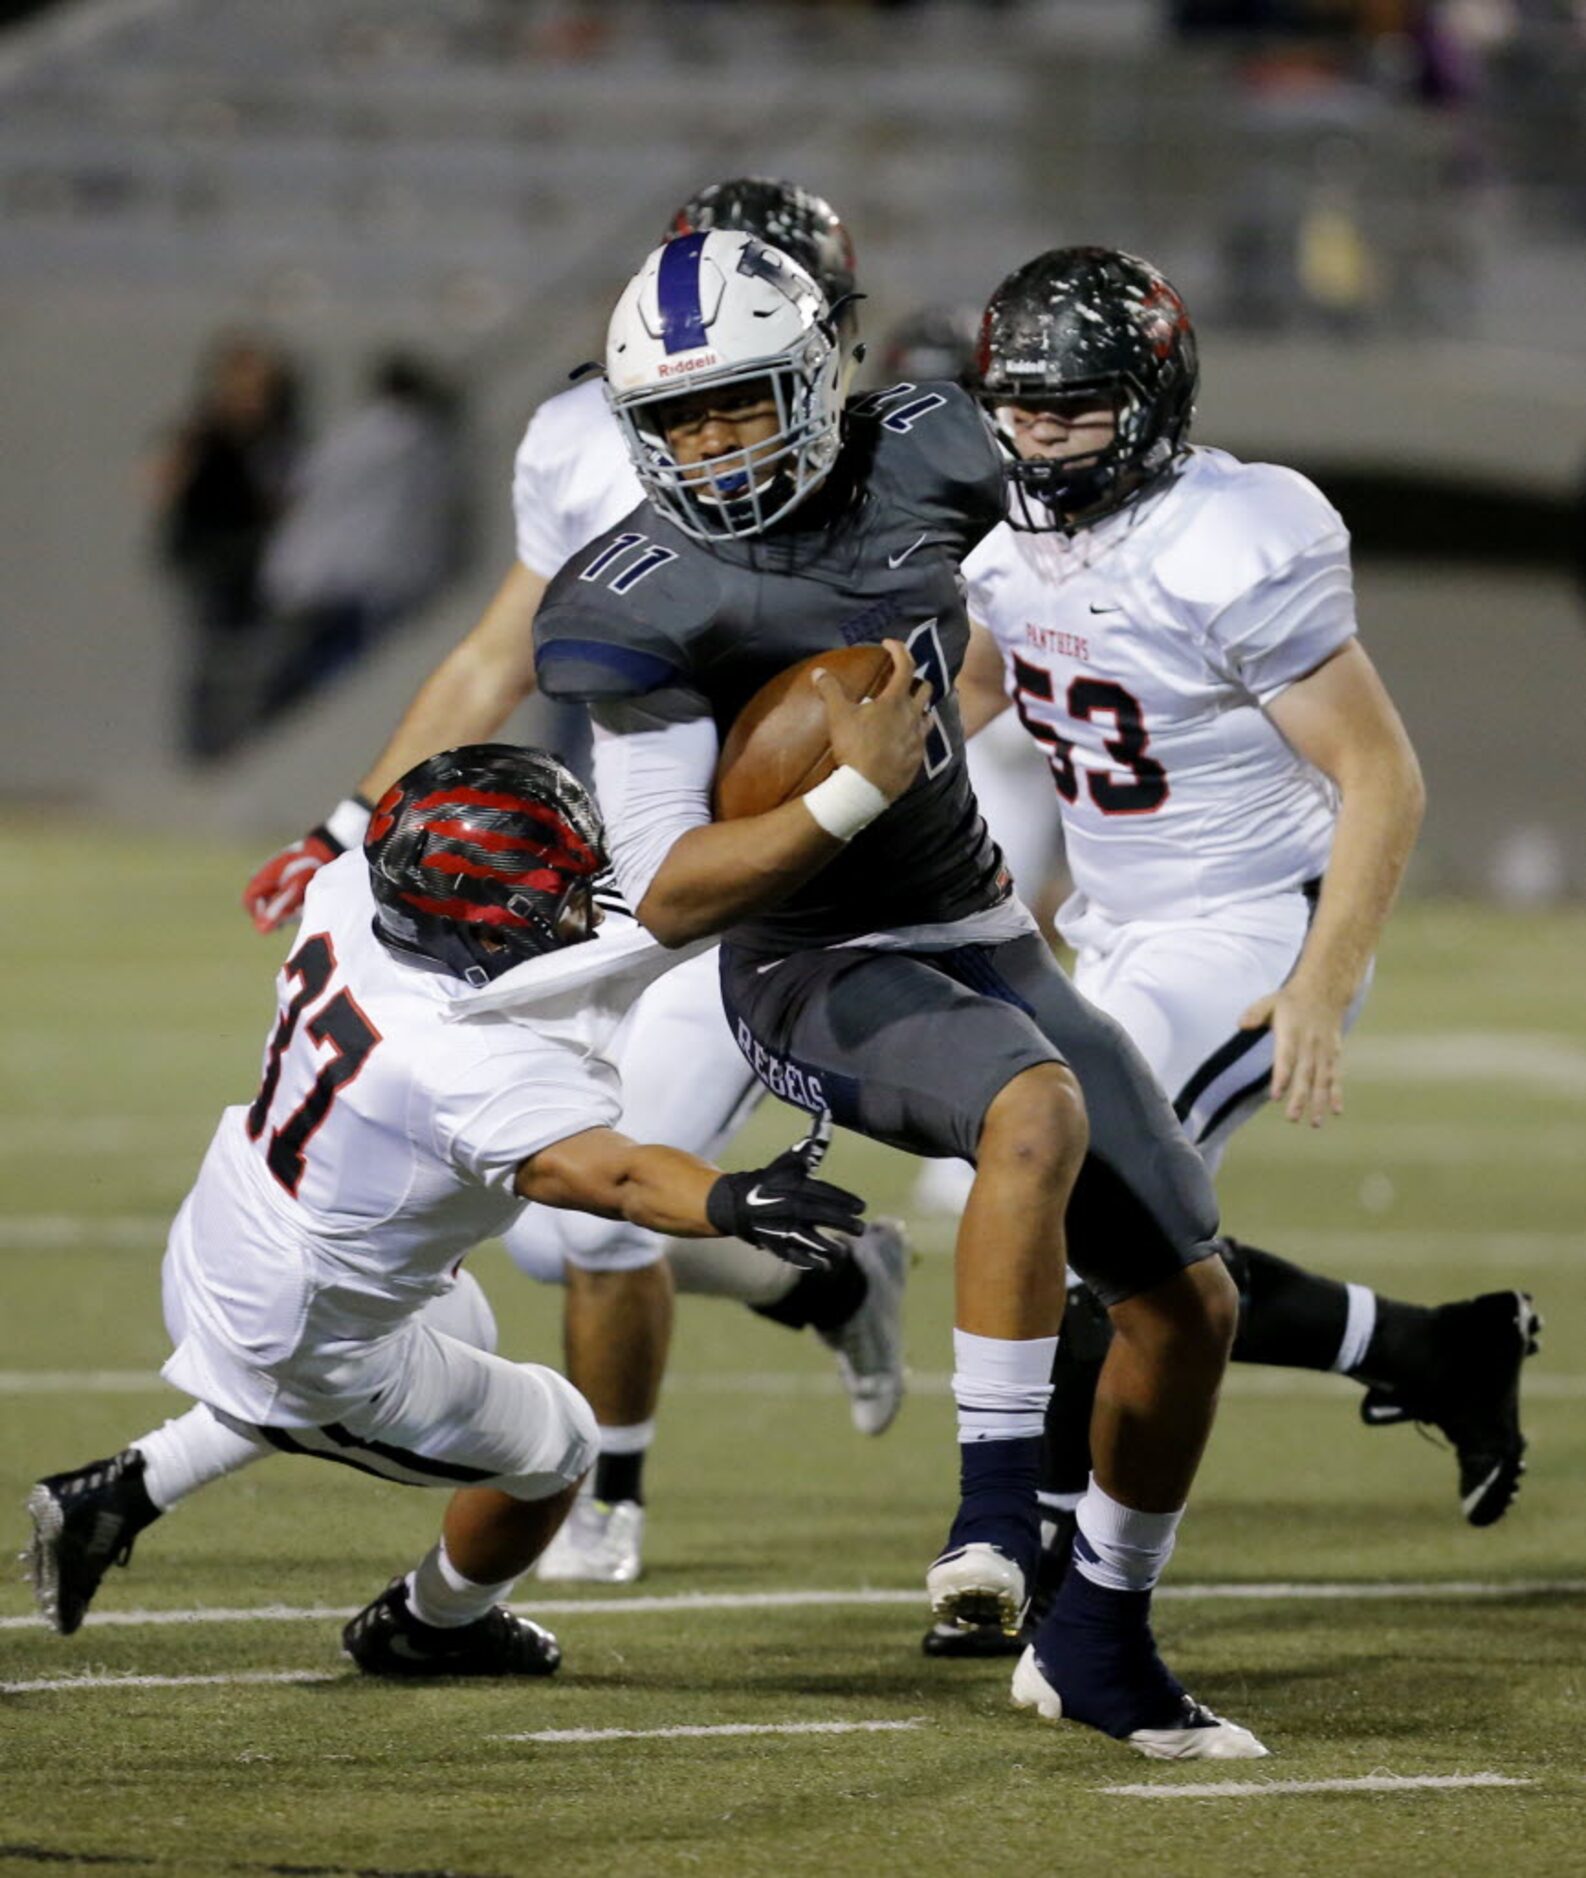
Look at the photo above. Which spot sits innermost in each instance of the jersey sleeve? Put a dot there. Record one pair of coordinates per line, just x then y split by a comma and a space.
653, 786
1282, 599
622, 650
514, 1096
539, 476
986, 577
948, 466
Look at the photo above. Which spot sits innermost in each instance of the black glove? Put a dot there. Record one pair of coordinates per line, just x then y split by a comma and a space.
784, 1210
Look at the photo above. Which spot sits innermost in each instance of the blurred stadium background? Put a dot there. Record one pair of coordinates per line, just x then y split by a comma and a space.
1376, 208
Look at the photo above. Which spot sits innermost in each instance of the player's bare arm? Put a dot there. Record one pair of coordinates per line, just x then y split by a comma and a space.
466, 699
780, 1208
727, 871
474, 689
1341, 718
981, 696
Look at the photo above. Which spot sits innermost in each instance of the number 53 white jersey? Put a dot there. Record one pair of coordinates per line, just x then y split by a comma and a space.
1139, 654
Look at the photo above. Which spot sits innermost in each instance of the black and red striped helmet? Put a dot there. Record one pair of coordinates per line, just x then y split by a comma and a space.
799, 222
484, 856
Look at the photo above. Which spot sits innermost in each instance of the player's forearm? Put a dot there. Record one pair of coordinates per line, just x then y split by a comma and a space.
474, 689
723, 872
665, 1190
605, 1173
464, 700
1383, 799
981, 695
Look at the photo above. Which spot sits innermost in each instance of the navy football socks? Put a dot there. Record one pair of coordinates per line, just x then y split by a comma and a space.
997, 1503
1096, 1650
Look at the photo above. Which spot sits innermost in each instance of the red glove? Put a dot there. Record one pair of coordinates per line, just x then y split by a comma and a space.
275, 894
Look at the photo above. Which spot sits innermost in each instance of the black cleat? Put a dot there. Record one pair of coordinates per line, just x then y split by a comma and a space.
83, 1523
979, 1641
386, 1639
1475, 1398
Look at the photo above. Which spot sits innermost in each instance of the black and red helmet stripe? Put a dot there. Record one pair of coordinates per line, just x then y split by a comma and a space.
487, 840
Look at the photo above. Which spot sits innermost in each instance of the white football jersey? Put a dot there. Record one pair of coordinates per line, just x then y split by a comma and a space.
1139, 654
571, 479
381, 1147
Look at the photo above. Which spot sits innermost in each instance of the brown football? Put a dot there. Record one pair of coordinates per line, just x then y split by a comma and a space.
777, 747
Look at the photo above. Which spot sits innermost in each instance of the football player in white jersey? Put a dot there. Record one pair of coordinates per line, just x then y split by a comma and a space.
1176, 631
572, 479
437, 1060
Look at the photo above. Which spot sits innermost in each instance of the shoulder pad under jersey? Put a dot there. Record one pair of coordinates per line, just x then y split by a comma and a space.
1242, 523
620, 619
932, 444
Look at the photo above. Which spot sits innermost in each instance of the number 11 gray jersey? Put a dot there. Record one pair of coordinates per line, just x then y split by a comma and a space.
651, 628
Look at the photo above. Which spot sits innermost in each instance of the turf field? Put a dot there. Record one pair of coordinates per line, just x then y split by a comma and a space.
776, 1714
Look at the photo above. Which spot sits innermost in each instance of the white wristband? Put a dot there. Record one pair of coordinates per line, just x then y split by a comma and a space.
348, 821
845, 802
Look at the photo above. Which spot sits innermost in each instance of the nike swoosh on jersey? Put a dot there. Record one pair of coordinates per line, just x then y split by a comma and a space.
897, 560
1104, 609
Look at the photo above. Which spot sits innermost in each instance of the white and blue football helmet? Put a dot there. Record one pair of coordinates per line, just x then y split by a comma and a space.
708, 311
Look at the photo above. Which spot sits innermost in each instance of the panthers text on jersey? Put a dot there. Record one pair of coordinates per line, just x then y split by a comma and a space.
571, 478
381, 1147
1139, 654
657, 631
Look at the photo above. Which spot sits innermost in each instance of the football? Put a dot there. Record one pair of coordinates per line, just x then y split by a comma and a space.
777, 747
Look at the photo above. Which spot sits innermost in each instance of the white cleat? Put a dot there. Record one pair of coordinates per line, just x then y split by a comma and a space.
598, 1544
1206, 1737
977, 1587
869, 1347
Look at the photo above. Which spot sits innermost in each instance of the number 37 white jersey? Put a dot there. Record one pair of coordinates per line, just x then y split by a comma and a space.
381, 1146
1139, 654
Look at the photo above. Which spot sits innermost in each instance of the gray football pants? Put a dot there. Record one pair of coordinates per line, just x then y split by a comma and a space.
910, 1048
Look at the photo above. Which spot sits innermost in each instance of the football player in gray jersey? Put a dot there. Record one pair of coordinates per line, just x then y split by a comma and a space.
571, 479
876, 964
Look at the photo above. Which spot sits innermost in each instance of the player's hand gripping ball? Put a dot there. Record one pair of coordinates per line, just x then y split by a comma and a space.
780, 745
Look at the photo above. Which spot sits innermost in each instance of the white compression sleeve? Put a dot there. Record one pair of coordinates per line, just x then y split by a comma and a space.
653, 786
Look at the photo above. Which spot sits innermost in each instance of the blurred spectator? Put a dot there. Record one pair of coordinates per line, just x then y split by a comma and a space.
219, 485
372, 529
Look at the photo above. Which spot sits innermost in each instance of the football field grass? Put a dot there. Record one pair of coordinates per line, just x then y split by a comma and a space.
759, 1703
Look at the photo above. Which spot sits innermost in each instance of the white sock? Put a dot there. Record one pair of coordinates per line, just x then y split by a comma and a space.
727, 1268
1358, 1326
1001, 1385
192, 1450
634, 1438
440, 1595
1119, 1547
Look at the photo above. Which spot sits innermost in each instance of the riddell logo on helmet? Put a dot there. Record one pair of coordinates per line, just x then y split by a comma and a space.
671, 367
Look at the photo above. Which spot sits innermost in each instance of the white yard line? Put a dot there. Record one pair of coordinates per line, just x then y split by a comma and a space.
146, 1232
1390, 1145
111, 1680
1261, 1789
1243, 1380
682, 1602
70, 1232
1369, 1250
1498, 1141
81, 1382
581, 1735
1479, 1057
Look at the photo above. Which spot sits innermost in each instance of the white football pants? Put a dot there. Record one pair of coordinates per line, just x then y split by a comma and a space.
1179, 989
